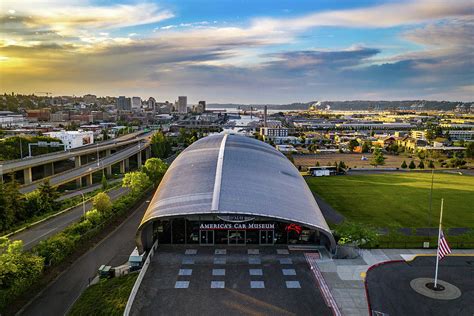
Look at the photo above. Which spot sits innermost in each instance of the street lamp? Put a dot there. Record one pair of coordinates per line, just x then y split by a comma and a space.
83, 204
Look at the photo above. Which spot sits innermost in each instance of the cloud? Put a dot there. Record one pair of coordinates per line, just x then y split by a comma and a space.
310, 59
384, 15
74, 48
60, 21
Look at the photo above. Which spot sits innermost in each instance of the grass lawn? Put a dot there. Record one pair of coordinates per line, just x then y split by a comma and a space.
108, 297
400, 199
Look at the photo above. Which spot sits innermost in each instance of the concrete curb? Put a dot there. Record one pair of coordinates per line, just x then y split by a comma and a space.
139, 280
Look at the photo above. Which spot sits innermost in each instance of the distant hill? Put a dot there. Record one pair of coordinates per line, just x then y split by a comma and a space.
355, 105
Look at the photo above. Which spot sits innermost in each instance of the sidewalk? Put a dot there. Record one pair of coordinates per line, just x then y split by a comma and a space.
345, 277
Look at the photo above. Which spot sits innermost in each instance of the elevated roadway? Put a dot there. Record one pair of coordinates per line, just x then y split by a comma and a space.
28, 163
88, 169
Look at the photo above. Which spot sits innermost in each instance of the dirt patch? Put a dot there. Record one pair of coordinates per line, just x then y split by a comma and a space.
351, 160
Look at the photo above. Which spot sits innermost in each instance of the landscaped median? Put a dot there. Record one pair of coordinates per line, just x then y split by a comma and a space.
108, 297
22, 274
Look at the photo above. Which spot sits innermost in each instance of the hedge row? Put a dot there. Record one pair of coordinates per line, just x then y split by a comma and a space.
59, 247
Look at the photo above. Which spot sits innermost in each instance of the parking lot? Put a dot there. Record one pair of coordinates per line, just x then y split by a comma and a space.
196, 280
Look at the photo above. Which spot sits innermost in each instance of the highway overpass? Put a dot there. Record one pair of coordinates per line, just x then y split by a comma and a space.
121, 157
47, 161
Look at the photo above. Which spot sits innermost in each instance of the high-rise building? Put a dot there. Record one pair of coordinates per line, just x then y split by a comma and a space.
89, 98
151, 104
202, 106
182, 104
124, 104
136, 102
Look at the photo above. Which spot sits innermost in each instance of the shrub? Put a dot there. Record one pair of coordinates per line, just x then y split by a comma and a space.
56, 248
404, 164
356, 234
102, 202
412, 165
421, 165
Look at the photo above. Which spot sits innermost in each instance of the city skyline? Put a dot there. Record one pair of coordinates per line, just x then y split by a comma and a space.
240, 52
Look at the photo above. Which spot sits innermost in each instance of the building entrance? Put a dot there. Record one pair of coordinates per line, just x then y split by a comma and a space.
206, 237
266, 237
236, 237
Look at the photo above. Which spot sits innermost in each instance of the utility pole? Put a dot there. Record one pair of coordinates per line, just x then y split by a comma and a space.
21, 149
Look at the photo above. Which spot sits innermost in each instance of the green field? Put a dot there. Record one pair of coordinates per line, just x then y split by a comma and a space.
108, 297
402, 199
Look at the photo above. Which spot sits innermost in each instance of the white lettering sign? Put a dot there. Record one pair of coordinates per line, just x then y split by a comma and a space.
241, 226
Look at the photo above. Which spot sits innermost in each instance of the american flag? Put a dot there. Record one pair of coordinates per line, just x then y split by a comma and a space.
443, 247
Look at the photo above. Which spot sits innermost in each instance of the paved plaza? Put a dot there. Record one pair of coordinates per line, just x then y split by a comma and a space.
229, 281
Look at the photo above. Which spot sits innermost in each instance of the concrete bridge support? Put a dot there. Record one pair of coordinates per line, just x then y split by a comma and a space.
88, 179
147, 153
127, 164
122, 167
48, 169
27, 175
108, 170
139, 159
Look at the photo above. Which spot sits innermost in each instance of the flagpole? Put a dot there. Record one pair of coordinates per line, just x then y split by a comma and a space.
437, 251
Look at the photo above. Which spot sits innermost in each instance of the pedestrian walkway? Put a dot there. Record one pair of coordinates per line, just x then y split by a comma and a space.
345, 277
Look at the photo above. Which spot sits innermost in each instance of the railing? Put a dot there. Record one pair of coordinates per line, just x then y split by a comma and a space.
139, 280
419, 245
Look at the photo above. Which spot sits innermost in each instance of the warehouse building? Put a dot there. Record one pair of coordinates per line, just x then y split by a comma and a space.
233, 190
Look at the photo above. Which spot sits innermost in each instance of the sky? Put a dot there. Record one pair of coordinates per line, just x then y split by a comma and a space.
245, 51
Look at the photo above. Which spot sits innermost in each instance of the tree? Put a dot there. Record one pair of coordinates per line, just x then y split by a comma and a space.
15, 201
365, 147
160, 145
137, 181
49, 196
421, 165
18, 269
377, 157
317, 163
104, 182
7, 215
470, 150
412, 165
431, 164
102, 203
404, 164
341, 167
353, 143
155, 168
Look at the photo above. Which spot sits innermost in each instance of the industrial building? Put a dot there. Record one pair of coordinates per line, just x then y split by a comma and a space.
233, 190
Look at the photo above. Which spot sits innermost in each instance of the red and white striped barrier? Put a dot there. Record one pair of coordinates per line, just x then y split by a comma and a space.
323, 287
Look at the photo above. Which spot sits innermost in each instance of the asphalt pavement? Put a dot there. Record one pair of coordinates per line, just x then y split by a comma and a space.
60, 295
32, 236
228, 280
389, 290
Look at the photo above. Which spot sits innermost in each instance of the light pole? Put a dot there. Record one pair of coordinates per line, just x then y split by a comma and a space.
98, 157
83, 204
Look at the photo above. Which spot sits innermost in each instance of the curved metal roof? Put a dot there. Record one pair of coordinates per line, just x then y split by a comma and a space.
231, 174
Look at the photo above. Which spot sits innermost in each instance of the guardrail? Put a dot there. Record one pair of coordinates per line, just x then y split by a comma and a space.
419, 245
139, 280
89, 168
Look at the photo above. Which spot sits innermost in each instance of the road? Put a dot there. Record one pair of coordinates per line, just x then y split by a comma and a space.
90, 188
60, 295
31, 237
84, 170
19, 164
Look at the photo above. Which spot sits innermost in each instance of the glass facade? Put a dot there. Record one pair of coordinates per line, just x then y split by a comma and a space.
214, 230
